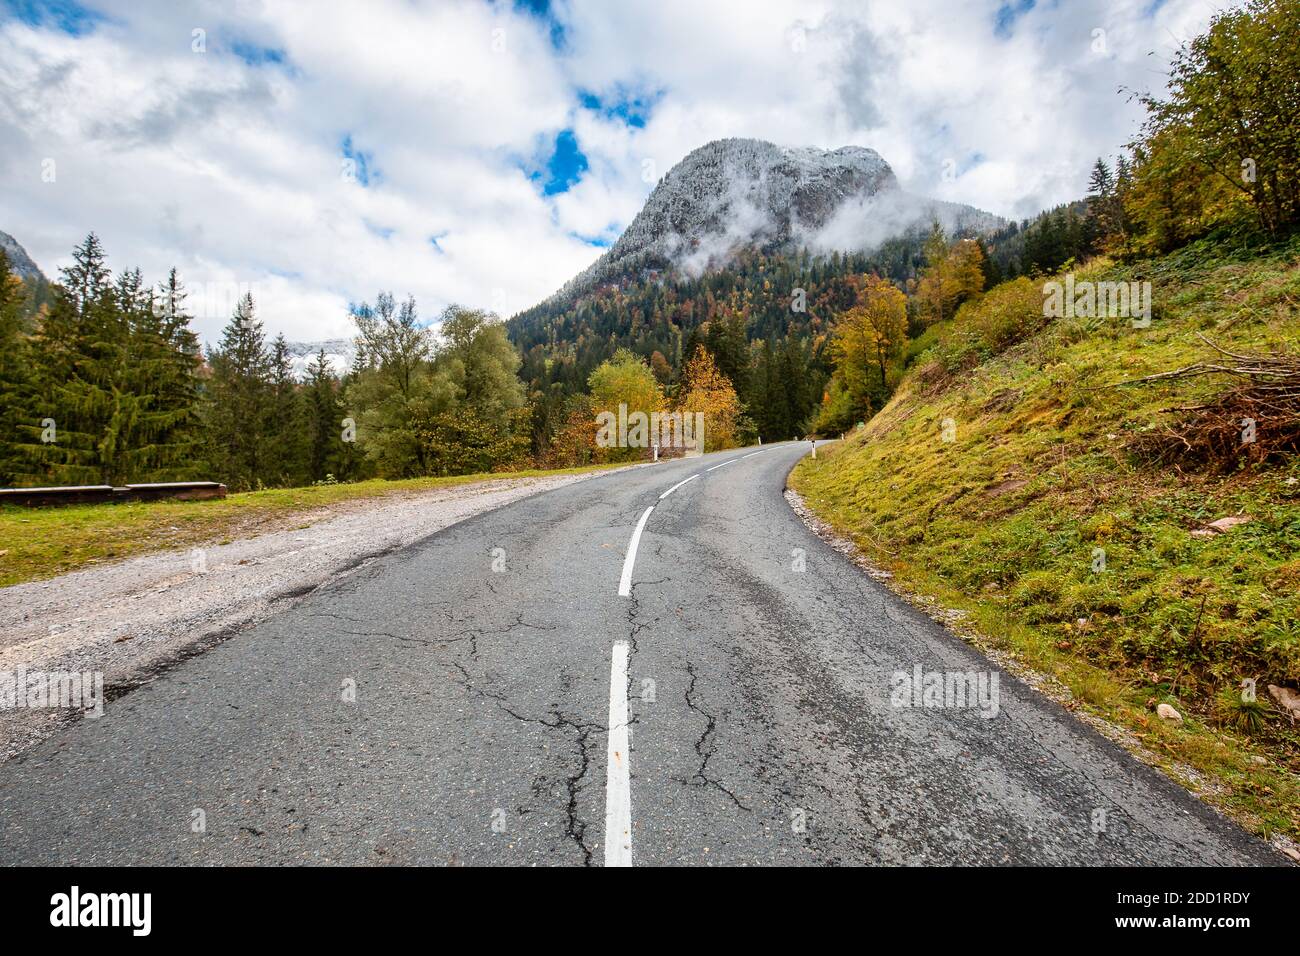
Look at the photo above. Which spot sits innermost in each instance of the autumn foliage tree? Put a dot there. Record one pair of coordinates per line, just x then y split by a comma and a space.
1231, 114
953, 275
705, 389
868, 338
873, 332
624, 380
1222, 147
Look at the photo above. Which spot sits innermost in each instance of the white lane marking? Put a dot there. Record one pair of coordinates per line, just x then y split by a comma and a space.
625, 582
618, 787
730, 461
676, 486
753, 453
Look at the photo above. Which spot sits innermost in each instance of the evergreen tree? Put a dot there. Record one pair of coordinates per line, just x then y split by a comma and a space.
240, 399
1103, 207
801, 389
322, 420
159, 441
768, 401
1100, 184
86, 281
14, 378
82, 411
180, 389
727, 341
285, 450
112, 398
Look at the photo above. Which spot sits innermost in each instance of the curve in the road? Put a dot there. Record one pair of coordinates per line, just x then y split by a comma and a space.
479, 696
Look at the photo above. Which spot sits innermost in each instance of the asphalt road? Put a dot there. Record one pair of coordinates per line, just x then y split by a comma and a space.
763, 716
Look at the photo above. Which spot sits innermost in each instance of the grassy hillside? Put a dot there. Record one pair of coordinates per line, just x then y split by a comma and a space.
37, 543
1060, 518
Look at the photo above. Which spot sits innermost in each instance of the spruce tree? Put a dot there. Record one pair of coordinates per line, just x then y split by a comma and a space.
284, 453
240, 396
800, 399
14, 377
1100, 182
80, 408
322, 419
180, 388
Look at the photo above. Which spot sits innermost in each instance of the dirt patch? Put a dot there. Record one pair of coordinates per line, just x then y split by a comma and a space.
1008, 486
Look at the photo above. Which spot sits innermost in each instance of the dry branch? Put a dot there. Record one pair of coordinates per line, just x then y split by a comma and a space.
1255, 419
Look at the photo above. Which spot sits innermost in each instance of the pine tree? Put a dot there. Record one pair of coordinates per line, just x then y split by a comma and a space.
797, 387
240, 399
180, 387
321, 416
83, 413
1100, 184
86, 281
1103, 206
285, 449
727, 341
14, 378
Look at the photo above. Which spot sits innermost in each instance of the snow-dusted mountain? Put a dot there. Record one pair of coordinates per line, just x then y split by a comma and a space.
19, 260
338, 352
736, 193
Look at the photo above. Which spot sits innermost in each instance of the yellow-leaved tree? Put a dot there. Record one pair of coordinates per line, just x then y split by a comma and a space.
953, 275
705, 389
624, 389
870, 335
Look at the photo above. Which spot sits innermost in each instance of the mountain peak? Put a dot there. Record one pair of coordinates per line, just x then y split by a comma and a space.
733, 194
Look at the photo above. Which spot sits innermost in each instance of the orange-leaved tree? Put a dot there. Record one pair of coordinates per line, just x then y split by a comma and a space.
705, 389
953, 275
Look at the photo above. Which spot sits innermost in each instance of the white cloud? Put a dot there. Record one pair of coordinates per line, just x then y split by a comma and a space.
231, 170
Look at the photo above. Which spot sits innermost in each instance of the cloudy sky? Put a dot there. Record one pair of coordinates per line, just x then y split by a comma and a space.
484, 152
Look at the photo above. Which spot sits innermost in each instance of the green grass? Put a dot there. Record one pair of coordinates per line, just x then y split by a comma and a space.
1007, 521
38, 543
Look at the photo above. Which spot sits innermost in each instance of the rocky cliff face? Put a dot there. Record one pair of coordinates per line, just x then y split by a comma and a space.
19, 261
732, 194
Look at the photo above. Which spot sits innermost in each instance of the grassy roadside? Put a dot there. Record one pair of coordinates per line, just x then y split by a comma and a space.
39, 543
1005, 522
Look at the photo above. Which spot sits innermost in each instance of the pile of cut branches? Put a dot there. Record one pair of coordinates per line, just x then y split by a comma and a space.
1255, 419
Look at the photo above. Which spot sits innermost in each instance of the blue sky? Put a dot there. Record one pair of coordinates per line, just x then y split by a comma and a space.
484, 151
65, 15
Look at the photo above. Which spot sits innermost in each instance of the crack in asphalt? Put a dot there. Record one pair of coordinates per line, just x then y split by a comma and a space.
575, 827
705, 756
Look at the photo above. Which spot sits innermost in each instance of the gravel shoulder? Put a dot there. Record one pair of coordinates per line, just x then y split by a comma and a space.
133, 620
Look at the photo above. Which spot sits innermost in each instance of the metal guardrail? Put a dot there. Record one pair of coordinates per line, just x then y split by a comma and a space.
96, 494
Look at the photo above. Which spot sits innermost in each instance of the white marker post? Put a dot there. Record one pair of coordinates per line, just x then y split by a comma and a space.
813, 442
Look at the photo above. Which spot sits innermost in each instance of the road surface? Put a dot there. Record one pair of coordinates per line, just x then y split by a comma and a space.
488, 696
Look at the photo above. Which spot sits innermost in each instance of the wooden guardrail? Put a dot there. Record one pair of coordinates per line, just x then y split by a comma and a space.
95, 494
